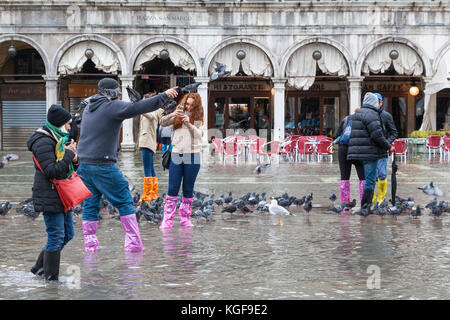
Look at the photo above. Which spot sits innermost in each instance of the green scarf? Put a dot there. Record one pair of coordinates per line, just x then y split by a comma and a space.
60, 149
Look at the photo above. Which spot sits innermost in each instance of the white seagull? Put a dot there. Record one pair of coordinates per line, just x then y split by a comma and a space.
277, 210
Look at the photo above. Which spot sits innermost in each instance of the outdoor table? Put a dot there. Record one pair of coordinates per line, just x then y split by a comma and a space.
246, 144
314, 143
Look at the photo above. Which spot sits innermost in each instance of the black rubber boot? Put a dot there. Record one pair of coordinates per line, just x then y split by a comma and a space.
38, 268
366, 202
51, 265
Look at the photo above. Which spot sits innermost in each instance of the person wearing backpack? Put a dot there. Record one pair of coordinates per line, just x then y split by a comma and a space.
343, 133
391, 133
368, 144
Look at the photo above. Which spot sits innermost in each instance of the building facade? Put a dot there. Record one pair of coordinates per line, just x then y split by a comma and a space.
296, 67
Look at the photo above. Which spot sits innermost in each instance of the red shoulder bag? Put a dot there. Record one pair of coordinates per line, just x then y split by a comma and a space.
71, 191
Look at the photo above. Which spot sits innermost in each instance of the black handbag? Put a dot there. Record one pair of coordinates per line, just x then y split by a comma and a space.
166, 159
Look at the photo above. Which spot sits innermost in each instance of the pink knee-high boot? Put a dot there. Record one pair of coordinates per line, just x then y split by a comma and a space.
133, 242
344, 188
361, 189
169, 212
185, 212
90, 239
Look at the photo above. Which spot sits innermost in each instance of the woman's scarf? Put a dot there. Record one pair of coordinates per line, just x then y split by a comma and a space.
60, 149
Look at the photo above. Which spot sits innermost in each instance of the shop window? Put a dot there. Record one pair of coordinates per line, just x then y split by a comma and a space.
28, 61
330, 116
219, 113
419, 111
309, 116
262, 113
289, 116
398, 108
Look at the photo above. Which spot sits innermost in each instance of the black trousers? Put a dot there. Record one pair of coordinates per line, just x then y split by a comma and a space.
345, 166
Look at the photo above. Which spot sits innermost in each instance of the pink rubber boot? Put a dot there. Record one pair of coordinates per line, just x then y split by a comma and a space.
361, 189
90, 239
169, 212
133, 242
344, 188
185, 212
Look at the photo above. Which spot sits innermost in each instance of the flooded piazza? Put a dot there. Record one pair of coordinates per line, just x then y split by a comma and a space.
320, 256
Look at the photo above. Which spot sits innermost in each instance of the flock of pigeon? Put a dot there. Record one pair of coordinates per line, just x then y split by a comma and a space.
204, 206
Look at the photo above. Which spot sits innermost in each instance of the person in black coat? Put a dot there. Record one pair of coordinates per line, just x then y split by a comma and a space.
345, 166
56, 157
391, 133
368, 143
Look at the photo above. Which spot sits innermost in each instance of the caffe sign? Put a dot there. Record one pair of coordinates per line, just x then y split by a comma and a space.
240, 86
23, 92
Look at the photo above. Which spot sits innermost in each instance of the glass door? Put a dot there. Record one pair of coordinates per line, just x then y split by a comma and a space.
398, 111
330, 116
309, 116
239, 113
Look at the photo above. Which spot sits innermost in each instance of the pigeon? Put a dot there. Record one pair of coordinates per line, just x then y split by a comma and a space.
7, 158
431, 190
300, 201
333, 197
253, 200
228, 199
4, 208
261, 168
351, 204
436, 211
170, 108
230, 208
277, 210
307, 207
415, 212
243, 208
220, 201
309, 197
220, 71
191, 87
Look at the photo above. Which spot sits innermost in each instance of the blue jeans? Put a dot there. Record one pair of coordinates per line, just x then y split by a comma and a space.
183, 167
147, 161
109, 181
370, 172
59, 227
382, 168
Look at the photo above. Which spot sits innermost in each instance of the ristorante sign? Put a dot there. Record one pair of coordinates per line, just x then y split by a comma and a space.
240, 86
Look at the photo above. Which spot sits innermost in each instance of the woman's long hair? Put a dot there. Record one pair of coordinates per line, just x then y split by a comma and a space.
196, 110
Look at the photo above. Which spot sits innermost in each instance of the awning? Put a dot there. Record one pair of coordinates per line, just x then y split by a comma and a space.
178, 55
255, 63
73, 59
407, 63
301, 67
440, 81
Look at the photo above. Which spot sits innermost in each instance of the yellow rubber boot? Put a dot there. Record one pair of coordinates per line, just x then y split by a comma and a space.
146, 189
154, 190
382, 188
374, 199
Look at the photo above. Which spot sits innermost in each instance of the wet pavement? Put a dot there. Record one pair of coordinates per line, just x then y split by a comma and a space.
323, 256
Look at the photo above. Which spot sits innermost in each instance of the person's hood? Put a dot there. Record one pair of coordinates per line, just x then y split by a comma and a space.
36, 136
370, 101
96, 101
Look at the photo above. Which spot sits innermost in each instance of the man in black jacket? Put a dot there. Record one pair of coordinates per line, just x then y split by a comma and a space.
368, 143
391, 133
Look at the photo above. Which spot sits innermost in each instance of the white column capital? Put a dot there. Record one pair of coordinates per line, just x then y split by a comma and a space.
355, 79
203, 80
127, 78
50, 77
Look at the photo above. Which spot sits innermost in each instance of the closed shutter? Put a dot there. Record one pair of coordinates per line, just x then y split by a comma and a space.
20, 119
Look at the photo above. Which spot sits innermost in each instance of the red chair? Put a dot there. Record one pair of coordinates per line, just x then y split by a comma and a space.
325, 148
401, 149
274, 150
304, 149
256, 148
446, 147
433, 143
218, 147
231, 150
287, 148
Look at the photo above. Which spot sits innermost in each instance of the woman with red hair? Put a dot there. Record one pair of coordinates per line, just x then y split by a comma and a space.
187, 134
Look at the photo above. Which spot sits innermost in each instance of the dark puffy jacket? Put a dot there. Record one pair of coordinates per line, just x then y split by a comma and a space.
390, 131
45, 196
367, 140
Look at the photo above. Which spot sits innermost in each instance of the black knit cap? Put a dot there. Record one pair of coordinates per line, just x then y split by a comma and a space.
108, 83
58, 116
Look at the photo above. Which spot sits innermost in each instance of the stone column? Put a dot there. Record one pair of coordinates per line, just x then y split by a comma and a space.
202, 90
355, 93
127, 126
279, 87
51, 89
429, 108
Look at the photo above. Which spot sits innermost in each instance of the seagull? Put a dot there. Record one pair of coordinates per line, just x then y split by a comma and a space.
277, 210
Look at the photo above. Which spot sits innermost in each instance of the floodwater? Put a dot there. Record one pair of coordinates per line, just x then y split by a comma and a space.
323, 256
